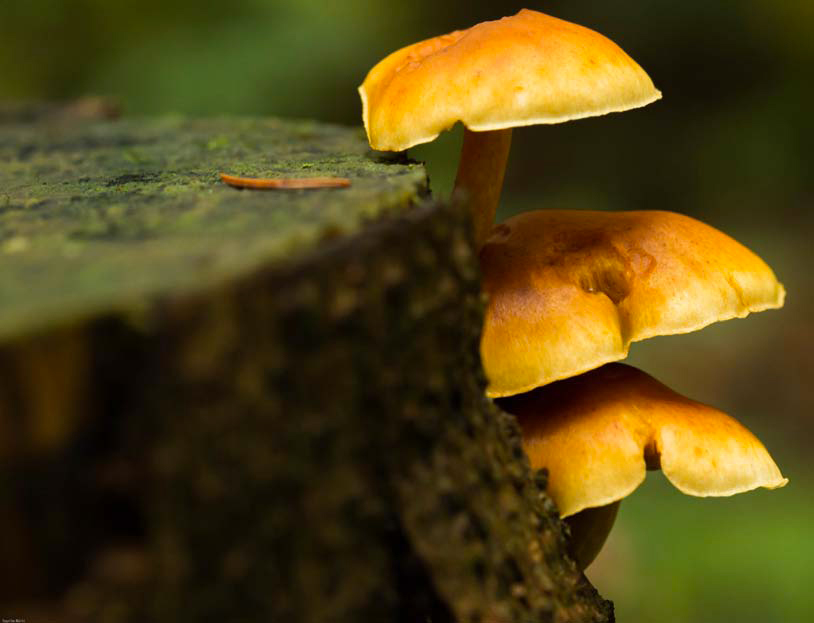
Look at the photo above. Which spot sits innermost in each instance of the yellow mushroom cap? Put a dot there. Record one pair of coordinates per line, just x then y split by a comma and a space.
597, 432
521, 70
570, 290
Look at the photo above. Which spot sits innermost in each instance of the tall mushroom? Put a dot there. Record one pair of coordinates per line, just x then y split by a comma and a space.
522, 70
597, 433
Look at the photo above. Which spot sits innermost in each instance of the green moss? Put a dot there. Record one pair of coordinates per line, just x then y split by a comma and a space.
99, 215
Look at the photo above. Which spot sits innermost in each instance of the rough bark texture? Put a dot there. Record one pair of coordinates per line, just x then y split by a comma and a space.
224, 405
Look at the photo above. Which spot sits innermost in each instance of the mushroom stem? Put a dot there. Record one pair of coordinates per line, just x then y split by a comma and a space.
480, 176
589, 530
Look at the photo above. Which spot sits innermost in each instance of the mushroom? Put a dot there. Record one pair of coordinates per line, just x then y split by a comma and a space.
570, 290
597, 433
522, 70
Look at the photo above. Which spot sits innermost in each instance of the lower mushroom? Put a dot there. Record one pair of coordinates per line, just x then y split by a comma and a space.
599, 432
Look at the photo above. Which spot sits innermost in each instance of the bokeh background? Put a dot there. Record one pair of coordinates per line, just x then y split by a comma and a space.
730, 144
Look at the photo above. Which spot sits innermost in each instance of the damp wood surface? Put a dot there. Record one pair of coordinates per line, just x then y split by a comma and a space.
226, 405
96, 215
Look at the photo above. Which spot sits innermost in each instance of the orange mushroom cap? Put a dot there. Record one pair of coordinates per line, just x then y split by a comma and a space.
521, 70
596, 434
570, 290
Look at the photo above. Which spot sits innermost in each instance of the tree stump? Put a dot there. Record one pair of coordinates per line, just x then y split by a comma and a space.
252, 405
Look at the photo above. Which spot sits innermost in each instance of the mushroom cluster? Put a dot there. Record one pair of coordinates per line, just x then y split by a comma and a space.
569, 291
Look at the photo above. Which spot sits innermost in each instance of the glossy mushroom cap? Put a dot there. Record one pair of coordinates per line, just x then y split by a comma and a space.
598, 432
570, 290
521, 70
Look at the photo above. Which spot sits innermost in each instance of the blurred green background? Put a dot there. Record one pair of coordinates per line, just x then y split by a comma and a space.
728, 144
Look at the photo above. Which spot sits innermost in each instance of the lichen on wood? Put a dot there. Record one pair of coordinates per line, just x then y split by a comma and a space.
268, 406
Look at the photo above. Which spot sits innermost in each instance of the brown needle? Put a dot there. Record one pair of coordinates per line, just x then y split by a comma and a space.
284, 183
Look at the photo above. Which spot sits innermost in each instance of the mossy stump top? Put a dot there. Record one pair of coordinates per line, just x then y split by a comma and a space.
97, 216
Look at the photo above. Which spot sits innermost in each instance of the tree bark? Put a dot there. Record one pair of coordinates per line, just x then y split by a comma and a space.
243, 406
